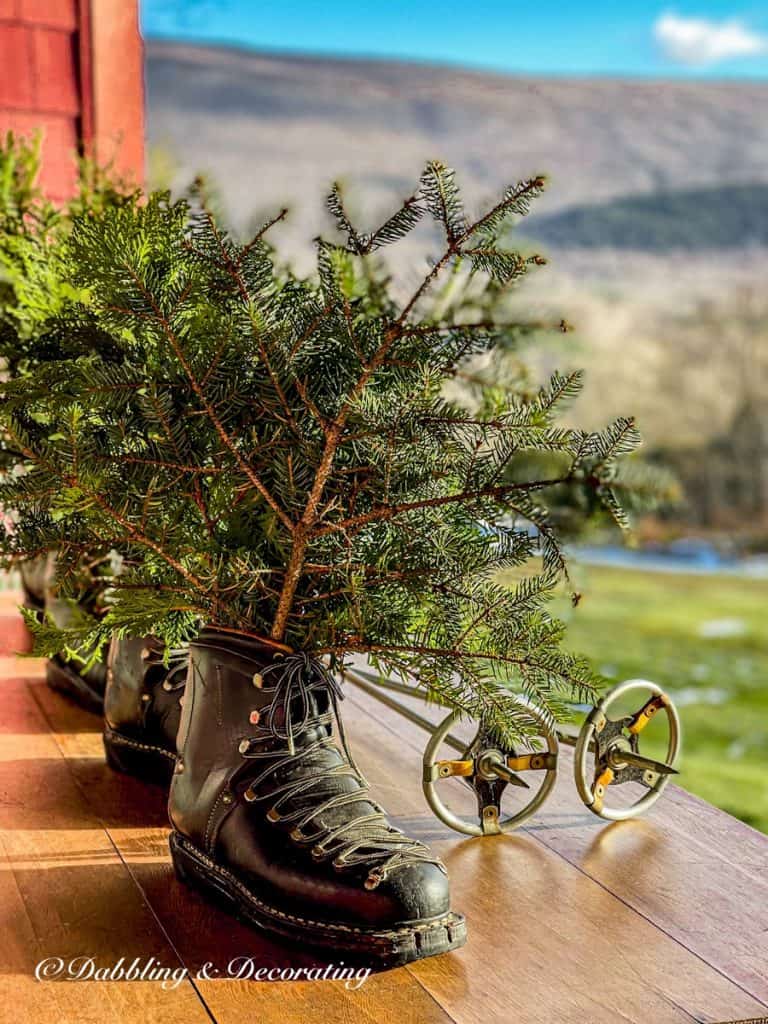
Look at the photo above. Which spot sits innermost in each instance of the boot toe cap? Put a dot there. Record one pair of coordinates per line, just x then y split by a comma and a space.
418, 891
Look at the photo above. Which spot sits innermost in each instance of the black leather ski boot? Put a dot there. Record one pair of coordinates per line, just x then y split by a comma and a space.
275, 819
142, 708
86, 687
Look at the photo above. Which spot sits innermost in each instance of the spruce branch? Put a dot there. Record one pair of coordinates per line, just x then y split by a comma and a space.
226, 440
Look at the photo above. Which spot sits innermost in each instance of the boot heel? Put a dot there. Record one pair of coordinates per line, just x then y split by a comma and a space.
150, 764
193, 872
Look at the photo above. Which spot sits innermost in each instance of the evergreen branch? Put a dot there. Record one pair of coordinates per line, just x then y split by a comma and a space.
310, 330
246, 249
209, 410
233, 268
387, 512
133, 460
398, 225
286, 443
132, 532
301, 533
450, 653
335, 204
394, 228
498, 327
510, 201
525, 594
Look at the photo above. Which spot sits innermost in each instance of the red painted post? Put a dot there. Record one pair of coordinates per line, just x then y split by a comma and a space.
113, 74
74, 68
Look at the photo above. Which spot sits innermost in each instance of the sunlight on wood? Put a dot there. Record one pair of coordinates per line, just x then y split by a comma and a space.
21, 668
42, 849
38, 747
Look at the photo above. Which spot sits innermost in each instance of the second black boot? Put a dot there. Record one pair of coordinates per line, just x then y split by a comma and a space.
272, 817
85, 686
142, 707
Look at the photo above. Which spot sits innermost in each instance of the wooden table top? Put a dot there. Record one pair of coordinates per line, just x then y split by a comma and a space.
570, 919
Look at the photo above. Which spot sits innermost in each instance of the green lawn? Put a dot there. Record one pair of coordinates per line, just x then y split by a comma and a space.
674, 630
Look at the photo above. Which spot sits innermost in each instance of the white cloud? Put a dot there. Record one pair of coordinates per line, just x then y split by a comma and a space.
698, 41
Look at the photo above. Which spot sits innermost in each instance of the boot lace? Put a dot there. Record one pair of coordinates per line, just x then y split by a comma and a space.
367, 839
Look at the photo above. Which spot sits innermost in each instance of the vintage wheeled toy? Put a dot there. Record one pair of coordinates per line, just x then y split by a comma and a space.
607, 755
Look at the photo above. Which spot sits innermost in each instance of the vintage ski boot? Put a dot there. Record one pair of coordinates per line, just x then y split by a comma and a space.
85, 686
142, 708
273, 818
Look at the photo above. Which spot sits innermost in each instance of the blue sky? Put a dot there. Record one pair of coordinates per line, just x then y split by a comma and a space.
625, 37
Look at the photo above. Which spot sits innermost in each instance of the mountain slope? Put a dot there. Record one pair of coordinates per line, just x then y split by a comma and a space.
272, 129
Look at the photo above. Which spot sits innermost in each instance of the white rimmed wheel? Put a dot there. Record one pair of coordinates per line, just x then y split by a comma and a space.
488, 770
614, 746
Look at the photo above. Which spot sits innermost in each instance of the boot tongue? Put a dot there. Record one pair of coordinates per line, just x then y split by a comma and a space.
315, 703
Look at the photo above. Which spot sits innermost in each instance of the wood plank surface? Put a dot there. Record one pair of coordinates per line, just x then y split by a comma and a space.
655, 921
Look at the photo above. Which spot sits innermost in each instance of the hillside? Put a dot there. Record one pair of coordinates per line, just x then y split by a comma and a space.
721, 217
272, 128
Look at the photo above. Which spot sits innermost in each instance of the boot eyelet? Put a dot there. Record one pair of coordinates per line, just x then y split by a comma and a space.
244, 746
339, 863
258, 680
298, 836
254, 717
249, 796
273, 815
167, 686
145, 697
318, 853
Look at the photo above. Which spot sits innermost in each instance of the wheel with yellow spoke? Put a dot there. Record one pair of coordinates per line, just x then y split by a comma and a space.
488, 770
614, 745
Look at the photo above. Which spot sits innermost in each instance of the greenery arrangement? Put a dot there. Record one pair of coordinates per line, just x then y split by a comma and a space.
33, 290
278, 455
33, 281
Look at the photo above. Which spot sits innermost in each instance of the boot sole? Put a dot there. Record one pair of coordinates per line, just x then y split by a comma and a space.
71, 684
148, 763
401, 944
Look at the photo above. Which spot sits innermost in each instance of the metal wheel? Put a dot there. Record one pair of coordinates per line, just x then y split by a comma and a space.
488, 770
615, 746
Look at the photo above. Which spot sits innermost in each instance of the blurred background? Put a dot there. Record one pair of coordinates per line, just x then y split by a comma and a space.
649, 121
